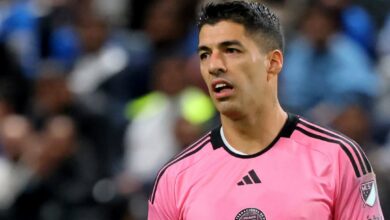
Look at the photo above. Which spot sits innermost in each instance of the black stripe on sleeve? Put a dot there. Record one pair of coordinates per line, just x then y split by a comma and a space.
366, 161
356, 148
189, 153
190, 147
179, 155
345, 149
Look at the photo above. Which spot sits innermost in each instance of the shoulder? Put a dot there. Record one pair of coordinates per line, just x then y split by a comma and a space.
190, 154
339, 147
185, 159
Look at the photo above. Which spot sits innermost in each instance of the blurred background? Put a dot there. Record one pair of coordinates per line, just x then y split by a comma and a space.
96, 95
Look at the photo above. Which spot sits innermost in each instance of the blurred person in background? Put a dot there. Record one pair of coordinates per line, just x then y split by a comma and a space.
15, 129
53, 97
14, 86
112, 67
51, 93
81, 161
380, 157
15, 172
64, 173
19, 32
382, 112
161, 124
100, 59
57, 35
169, 26
356, 23
102, 81
328, 77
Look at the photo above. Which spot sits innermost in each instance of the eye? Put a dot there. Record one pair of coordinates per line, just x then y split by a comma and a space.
232, 50
203, 56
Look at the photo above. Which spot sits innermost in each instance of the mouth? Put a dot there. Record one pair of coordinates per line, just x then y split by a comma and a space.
222, 89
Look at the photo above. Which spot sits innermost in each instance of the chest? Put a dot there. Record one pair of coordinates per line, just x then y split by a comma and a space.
281, 188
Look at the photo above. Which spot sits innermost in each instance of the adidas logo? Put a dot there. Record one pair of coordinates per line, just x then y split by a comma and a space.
249, 179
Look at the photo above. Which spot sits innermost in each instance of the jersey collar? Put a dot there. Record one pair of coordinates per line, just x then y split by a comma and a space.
286, 131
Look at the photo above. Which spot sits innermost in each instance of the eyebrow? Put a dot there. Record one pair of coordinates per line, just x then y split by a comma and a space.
203, 48
222, 44
231, 43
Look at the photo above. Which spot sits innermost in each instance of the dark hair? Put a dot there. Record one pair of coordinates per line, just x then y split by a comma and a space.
255, 17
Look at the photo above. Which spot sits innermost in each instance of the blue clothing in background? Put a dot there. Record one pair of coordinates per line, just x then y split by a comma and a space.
339, 75
65, 46
20, 33
359, 25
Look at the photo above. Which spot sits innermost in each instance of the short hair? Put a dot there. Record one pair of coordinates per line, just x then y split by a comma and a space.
255, 17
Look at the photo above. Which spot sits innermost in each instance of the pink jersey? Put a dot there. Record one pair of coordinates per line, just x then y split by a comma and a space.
307, 172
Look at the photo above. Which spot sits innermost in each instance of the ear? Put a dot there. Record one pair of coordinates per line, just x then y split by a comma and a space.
275, 63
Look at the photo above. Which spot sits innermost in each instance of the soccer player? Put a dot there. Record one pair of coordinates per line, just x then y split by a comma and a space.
262, 163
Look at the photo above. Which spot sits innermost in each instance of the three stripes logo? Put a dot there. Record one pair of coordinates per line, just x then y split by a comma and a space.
251, 178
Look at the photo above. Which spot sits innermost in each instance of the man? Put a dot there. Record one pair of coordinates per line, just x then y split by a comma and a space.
262, 163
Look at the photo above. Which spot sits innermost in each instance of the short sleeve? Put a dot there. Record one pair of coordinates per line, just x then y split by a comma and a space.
356, 193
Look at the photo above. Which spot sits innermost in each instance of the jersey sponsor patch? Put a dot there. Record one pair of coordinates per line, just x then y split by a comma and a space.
250, 214
368, 192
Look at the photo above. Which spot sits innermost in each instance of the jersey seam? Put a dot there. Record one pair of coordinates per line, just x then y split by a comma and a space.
356, 148
327, 155
344, 147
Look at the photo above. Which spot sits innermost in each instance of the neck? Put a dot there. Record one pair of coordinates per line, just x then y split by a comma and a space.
253, 133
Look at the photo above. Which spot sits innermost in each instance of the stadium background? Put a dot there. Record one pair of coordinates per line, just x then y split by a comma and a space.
96, 95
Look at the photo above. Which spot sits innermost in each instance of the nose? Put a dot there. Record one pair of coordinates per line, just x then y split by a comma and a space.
217, 64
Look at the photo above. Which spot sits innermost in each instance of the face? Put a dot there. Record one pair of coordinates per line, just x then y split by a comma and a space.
234, 68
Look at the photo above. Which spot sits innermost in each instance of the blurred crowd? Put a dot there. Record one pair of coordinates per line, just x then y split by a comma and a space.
97, 95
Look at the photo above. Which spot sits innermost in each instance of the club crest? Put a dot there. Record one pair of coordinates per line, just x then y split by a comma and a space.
368, 192
250, 214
